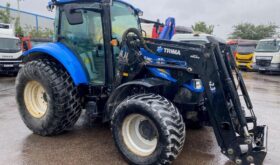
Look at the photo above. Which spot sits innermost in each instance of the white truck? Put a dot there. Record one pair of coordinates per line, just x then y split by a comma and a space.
267, 56
10, 50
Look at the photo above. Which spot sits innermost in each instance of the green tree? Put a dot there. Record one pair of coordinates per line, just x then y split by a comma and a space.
18, 29
253, 32
202, 27
5, 15
40, 33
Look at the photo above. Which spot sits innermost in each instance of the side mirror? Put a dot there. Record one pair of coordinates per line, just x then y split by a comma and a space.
74, 17
275, 42
139, 12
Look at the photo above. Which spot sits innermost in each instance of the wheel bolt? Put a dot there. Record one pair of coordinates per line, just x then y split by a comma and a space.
238, 161
250, 159
230, 151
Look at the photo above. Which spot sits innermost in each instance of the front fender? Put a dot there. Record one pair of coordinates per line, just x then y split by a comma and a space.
122, 91
67, 58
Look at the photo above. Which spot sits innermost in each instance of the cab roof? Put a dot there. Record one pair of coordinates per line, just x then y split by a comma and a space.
59, 2
271, 39
7, 36
6, 31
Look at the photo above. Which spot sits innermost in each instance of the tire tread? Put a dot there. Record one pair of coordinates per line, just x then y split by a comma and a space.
66, 102
171, 120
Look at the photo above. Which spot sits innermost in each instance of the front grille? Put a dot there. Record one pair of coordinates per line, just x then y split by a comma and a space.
263, 62
7, 63
244, 54
17, 59
6, 67
244, 61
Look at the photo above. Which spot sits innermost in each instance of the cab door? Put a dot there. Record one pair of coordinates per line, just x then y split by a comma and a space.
86, 41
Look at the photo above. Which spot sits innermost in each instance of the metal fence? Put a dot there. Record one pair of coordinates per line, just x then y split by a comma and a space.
31, 20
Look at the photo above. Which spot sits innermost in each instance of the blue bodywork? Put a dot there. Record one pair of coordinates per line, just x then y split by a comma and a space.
78, 72
167, 34
165, 73
65, 57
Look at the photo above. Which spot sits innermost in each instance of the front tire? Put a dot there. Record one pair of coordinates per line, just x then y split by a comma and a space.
148, 129
47, 99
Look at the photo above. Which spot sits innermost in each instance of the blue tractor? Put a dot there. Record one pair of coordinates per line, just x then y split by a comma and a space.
145, 87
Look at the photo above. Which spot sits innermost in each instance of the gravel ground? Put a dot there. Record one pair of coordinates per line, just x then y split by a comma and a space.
95, 145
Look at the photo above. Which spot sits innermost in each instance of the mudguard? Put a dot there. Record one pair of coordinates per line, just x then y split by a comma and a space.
120, 93
67, 58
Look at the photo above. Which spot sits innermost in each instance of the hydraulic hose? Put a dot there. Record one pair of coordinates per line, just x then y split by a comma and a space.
139, 36
232, 91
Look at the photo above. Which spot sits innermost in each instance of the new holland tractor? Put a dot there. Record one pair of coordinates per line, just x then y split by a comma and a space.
145, 88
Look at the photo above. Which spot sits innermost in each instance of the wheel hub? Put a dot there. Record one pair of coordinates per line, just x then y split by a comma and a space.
139, 134
36, 99
147, 130
45, 98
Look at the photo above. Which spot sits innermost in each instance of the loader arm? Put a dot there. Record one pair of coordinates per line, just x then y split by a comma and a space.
239, 142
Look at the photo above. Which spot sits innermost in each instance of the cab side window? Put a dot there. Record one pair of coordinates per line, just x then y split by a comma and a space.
86, 41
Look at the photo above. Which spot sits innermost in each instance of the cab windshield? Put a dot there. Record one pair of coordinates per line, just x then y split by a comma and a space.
246, 49
268, 46
9, 45
123, 17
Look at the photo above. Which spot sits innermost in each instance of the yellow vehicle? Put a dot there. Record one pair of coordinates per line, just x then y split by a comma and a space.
245, 54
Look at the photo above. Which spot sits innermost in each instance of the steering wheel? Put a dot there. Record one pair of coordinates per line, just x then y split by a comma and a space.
133, 39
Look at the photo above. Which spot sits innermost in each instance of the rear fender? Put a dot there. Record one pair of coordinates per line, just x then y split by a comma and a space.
122, 92
63, 55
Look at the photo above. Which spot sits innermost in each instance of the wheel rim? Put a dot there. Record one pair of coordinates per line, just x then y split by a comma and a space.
139, 134
36, 99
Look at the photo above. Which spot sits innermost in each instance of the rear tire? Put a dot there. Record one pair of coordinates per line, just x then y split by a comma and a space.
47, 99
148, 129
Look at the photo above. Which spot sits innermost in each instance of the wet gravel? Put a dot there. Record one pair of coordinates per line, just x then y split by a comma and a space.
94, 145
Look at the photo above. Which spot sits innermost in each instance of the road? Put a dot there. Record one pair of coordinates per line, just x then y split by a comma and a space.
94, 145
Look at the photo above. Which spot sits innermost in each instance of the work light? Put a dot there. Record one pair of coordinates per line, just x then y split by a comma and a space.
197, 84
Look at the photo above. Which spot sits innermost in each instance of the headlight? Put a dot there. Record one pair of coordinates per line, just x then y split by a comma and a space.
263, 58
197, 84
275, 65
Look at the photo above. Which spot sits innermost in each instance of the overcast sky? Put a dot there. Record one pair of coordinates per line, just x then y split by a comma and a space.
221, 13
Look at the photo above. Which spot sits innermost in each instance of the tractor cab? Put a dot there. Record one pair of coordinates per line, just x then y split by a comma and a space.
88, 27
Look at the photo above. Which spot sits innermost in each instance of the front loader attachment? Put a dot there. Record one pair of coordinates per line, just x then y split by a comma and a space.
238, 135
